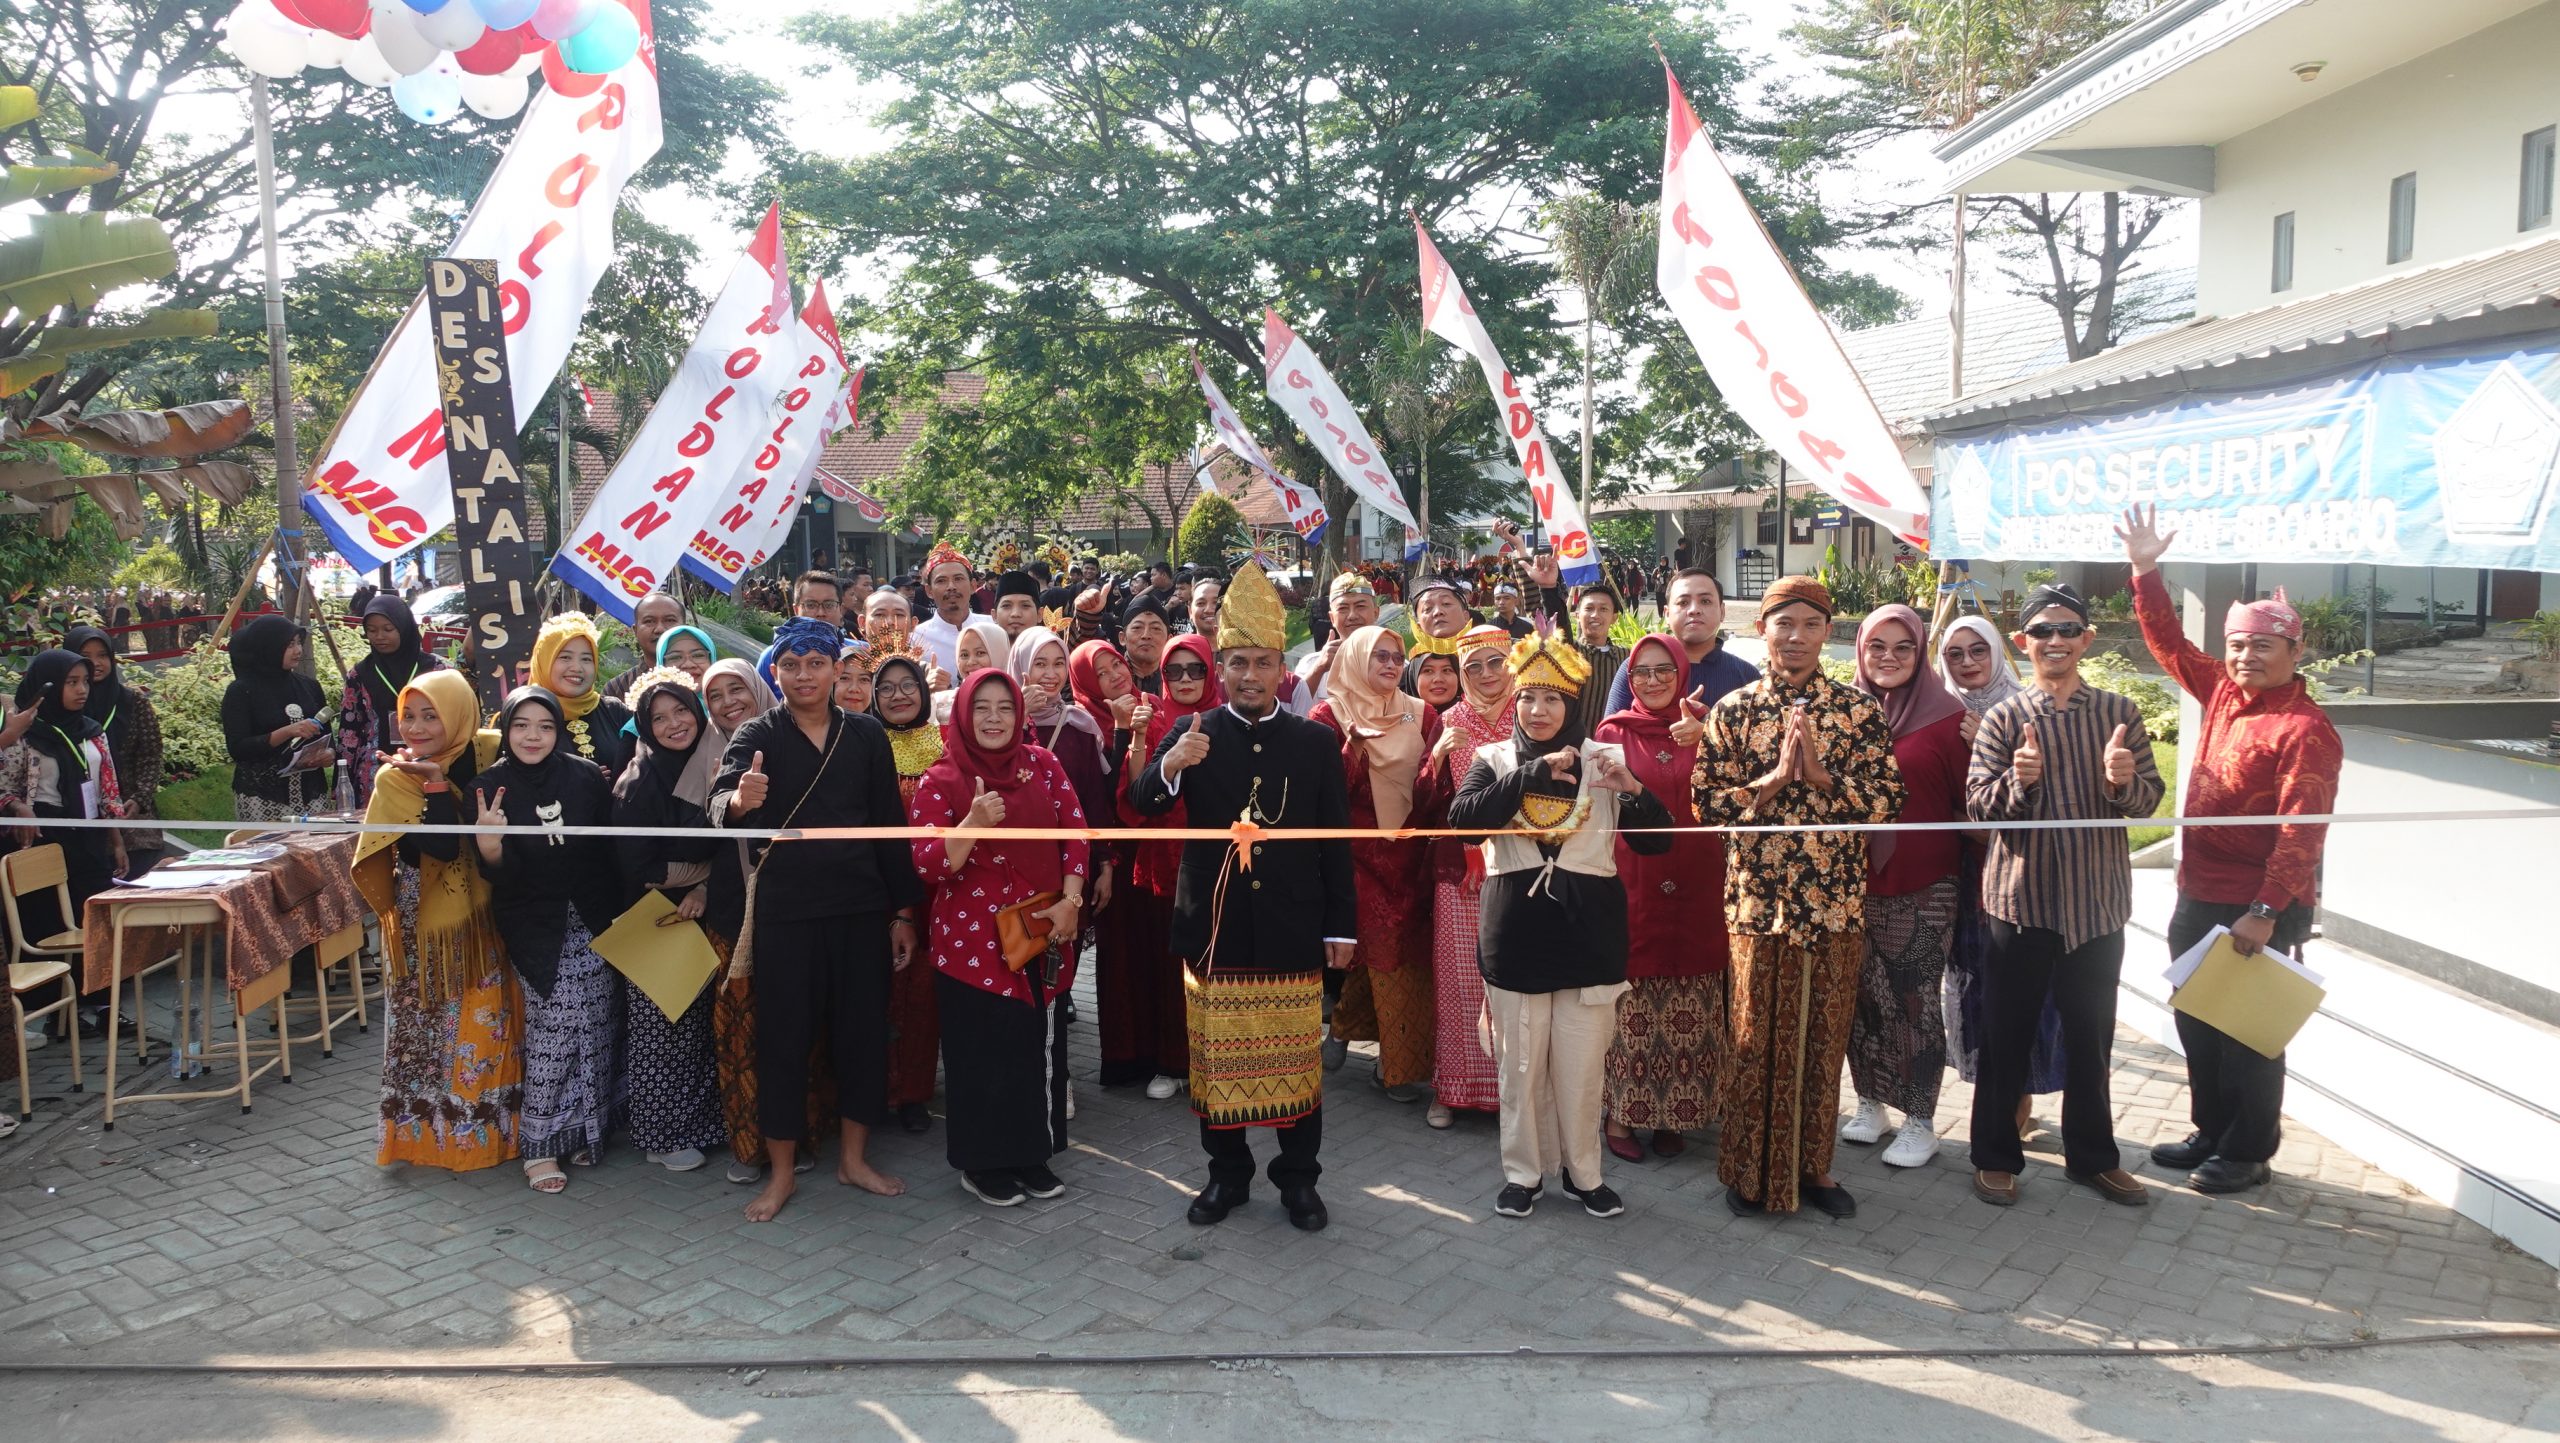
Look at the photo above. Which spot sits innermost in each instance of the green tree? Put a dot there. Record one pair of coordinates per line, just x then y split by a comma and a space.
1081, 185
1900, 66
1210, 529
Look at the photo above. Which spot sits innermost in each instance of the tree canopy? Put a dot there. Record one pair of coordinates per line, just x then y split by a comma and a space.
1081, 188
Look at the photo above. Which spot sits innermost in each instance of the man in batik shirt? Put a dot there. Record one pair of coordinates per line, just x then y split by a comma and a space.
1790, 749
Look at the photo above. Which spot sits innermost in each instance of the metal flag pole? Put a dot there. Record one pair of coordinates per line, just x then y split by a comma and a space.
288, 539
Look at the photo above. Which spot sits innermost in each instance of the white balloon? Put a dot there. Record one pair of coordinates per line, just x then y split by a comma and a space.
365, 66
264, 41
495, 96
453, 26
395, 34
427, 98
327, 49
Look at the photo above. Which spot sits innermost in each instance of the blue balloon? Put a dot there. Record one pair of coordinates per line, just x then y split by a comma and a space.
505, 14
606, 44
428, 97
426, 7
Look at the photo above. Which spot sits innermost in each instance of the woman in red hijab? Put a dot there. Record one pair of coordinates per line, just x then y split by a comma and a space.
1004, 1033
1898, 1035
1671, 1020
1144, 1036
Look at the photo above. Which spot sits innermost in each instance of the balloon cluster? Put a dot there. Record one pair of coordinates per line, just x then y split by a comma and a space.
438, 56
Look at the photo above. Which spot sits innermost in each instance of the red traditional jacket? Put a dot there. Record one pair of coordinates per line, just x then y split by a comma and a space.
2271, 754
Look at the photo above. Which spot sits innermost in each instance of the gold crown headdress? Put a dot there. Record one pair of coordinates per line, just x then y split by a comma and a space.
1250, 613
1545, 658
889, 641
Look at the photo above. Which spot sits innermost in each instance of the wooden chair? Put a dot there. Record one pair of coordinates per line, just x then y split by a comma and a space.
345, 949
24, 873
25, 977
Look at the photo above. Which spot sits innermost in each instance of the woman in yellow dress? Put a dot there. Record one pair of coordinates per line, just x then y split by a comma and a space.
453, 1056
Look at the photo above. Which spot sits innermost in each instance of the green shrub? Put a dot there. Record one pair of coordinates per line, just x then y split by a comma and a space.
1210, 529
2543, 630
1123, 563
732, 613
2157, 699
188, 696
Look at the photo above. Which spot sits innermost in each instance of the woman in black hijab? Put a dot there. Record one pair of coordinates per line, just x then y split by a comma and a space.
369, 710
132, 726
269, 713
549, 895
64, 770
673, 1065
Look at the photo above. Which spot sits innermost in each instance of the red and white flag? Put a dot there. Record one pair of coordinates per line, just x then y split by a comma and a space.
1771, 354
1304, 508
1303, 389
379, 487
756, 512
706, 425
840, 490
1446, 314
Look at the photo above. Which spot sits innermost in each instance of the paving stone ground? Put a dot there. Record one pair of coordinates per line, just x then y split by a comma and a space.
194, 1232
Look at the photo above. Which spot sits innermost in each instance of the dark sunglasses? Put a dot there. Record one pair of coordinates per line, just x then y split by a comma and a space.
2064, 629
1186, 671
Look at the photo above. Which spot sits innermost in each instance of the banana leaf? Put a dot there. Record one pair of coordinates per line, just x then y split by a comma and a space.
116, 492
164, 484
18, 506
196, 430
52, 349
19, 372
17, 105
49, 175
27, 475
228, 482
72, 258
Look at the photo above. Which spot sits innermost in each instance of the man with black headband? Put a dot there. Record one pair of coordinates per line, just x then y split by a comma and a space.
1439, 618
821, 939
1792, 748
2055, 901
1144, 630
1017, 602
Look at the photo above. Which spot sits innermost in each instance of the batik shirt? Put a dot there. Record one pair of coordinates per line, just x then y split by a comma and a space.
1796, 884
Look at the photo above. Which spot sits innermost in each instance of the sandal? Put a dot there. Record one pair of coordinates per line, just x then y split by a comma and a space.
1625, 1149
543, 1175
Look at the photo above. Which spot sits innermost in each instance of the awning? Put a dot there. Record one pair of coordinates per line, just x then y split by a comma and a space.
1715, 498
2502, 293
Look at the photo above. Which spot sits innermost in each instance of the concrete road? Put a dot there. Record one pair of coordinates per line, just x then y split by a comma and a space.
2452, 1393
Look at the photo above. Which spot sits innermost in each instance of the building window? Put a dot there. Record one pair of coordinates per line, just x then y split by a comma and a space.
1766, 534
2404, 219
2280, 274
2533, 187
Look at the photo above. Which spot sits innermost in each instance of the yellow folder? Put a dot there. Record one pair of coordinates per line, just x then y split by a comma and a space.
2257, 1000
669, 964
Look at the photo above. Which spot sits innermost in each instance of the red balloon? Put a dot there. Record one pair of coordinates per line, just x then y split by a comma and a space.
293, 11
491, 54
350, 18
560, 77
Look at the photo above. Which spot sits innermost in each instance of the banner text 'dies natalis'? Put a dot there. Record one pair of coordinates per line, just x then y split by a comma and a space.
483, 458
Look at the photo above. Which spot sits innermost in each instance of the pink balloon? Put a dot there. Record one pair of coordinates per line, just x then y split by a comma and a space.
559, 19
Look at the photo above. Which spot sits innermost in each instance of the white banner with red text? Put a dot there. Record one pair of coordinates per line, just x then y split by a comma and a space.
1447, 314
1771, 354
757, 510
705, 428
379, 487
1304, 508
1301, 386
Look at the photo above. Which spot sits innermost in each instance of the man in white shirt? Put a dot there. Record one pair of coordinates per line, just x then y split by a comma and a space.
948, 582
1352, 604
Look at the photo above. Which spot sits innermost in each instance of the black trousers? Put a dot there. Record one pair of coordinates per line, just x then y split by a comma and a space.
2026, 966
827, 977
1004, 1070
1231, 1153
2235, 1093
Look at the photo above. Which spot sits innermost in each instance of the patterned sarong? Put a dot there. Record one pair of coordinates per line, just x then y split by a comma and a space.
1256, 1041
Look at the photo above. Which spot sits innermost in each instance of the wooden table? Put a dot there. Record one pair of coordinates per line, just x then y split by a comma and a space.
296, 901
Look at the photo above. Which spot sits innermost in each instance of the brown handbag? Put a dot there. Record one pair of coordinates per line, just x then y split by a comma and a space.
1020, 933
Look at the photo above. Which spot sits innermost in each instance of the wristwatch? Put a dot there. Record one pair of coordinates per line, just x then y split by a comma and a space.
2261, 909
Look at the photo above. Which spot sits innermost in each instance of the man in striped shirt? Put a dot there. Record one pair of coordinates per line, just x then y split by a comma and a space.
2055, 900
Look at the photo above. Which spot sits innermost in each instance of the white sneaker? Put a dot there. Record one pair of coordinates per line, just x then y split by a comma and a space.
1865, 1125
1916, 1145
1164, 1087
683, 1159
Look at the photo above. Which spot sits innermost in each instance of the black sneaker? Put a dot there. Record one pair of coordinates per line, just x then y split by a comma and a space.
1601, 1202
995, 1189
1515, 1201
1039, 1181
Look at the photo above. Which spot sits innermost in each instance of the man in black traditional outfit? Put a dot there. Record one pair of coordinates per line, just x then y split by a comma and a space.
1256, 921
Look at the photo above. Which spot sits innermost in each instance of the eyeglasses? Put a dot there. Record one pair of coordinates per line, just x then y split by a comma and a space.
898, 688
1969, 653
1900, 650
1654, 673
1186, 671
2043, 630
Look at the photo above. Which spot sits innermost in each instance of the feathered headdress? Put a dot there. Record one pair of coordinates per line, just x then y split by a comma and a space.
1545, 658
889, 641
1006, 557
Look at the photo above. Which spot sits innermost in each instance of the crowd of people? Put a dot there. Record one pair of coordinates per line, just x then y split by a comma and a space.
146, 620
1575, 949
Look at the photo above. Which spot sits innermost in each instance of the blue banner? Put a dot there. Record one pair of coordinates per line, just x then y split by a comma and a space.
2444, 459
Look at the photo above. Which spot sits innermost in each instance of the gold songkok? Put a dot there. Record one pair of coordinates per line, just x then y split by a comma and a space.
1250, 613
1545, 658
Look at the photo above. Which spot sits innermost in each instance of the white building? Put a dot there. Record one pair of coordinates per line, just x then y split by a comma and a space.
2372, 381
